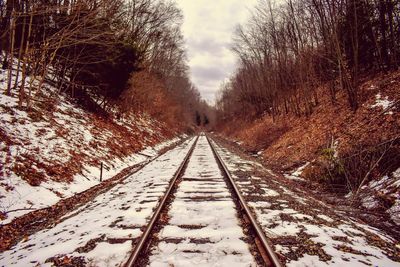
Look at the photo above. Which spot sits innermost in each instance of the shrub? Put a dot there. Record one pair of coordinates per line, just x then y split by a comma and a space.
357, 167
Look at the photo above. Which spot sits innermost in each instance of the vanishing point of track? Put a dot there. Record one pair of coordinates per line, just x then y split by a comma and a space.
265, 251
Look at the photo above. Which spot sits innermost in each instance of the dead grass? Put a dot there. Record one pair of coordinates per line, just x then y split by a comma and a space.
291, 141
263, 133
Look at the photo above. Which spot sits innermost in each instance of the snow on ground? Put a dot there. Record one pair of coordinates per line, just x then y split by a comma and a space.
26, 198
306, 231
37, 144
384, 103
389, 186
203, 229
296, 174
101, 232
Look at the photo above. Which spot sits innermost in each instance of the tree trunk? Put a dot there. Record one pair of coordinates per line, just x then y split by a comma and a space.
11, 53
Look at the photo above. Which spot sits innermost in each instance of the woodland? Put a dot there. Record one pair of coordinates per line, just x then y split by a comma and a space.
112, 57
308, 71
288, 50
117, 57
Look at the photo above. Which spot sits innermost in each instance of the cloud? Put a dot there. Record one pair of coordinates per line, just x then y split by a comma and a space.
208, 27
207, 45
207, 73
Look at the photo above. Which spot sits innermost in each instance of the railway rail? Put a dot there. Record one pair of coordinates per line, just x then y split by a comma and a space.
268, 254
202, 187
207, 218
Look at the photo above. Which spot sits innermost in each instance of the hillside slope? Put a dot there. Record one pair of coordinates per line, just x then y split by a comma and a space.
54, 149
336, 148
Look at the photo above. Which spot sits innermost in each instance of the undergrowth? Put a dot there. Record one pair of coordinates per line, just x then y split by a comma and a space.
354, 169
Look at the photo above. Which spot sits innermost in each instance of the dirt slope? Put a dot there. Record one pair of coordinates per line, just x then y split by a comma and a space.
54, 149
307, 148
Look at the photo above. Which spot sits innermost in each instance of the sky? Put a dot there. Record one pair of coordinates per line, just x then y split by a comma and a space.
208, 28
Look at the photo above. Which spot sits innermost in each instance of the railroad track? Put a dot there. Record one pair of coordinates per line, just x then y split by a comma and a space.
202, 219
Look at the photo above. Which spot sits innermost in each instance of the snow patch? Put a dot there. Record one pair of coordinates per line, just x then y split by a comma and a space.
296, 174
384, 103
388, 185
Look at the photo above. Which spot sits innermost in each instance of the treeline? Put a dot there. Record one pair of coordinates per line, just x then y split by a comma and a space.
93, 50
288, 50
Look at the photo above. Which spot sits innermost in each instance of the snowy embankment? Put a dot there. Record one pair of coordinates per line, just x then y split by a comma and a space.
101, 232
304, 230
54, 149
378, 193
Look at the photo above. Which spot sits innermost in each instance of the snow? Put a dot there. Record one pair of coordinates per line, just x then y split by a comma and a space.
53, 139
106, 254
296, 174
270, 192
384, 103
394, 211
117, 214
289, 214
309, 261
324, 217
370, 202
388, 185
211, 234
31, 198
205, 232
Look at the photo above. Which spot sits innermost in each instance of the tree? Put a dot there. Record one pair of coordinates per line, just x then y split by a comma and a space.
90, 49
287, 50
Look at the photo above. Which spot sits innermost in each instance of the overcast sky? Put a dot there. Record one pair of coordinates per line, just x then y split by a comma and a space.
208, 27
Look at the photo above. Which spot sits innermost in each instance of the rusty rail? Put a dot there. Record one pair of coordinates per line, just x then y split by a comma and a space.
132, 261
266, 251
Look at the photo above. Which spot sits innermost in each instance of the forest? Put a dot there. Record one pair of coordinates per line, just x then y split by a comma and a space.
287, 50
304, 67
294, 57
113, 57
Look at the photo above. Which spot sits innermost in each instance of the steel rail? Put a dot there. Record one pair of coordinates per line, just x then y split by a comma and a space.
143, 239
259, 232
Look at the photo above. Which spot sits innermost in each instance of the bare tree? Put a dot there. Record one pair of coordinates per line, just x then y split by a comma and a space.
288, 50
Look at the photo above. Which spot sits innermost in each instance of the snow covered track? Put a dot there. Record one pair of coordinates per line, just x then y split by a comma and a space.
102, 232
200, 205
201, 224
134, 256
266, 250
304, 230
